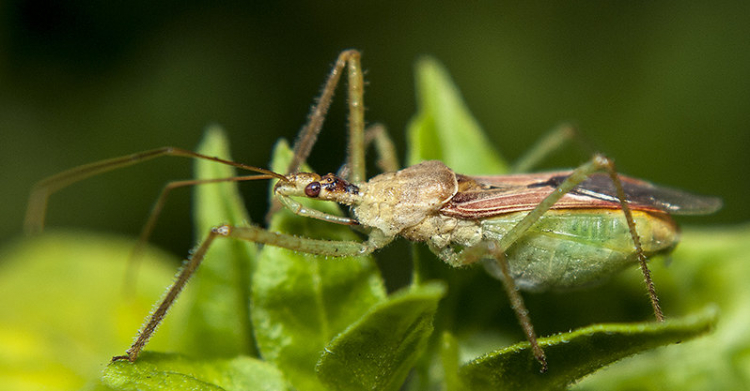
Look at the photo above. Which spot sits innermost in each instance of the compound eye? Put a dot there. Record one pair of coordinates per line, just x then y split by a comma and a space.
313, 189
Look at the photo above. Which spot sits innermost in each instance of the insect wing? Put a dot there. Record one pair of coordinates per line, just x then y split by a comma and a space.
487, 196
644, 194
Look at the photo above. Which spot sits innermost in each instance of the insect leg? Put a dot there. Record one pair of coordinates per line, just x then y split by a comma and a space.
330, 248
145, 333
610, 167
553, 141
153, 216
498, 248
386, 150
349, 59
300, 210
384, 147
497, 252
252, 234
596, 164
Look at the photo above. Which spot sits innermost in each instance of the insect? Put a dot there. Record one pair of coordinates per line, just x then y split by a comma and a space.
535, 232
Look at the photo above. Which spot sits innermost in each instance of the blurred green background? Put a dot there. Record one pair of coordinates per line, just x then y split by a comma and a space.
663, 88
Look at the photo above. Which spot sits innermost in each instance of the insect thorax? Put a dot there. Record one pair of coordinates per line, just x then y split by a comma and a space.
396, 201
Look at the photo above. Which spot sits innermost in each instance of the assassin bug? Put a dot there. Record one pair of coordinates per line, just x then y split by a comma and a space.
538, 232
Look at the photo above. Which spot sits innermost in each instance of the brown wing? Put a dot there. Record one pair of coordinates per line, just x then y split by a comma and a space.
482, 197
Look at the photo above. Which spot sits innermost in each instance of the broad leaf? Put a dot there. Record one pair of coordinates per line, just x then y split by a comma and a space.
301, 302
575, 354
449, 358
220, 320
444, 129
710, 266
159, 371
66, 310
377, 352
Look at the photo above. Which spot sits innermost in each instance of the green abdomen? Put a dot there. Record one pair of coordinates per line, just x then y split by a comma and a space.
574, 248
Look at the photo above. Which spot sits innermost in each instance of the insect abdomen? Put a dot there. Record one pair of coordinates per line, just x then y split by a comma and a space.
569, 249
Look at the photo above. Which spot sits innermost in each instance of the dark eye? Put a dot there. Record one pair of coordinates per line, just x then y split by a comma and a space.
312, 189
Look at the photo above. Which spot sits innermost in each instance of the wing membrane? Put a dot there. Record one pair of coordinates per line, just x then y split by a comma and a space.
487, 196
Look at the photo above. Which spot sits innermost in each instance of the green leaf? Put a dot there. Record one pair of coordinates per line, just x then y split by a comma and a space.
575, 354
158, 371
377, 352
301, 302
65, 309
444, 129
709, 266
220, 322
449, 357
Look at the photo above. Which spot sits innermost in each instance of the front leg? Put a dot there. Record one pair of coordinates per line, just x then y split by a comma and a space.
329, 248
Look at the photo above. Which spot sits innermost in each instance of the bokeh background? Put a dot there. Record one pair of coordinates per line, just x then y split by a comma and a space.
662, 87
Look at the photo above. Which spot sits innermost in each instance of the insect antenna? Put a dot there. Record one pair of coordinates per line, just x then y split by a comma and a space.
37, 208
